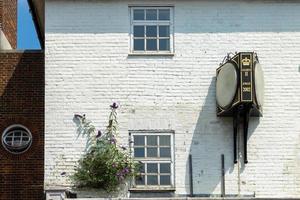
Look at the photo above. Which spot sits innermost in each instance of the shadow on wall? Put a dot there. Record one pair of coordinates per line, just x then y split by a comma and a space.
193, 17
212, 137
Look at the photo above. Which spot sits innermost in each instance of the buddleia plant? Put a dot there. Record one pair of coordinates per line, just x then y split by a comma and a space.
105, 163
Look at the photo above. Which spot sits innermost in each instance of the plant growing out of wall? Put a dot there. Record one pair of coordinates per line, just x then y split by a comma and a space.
105, 164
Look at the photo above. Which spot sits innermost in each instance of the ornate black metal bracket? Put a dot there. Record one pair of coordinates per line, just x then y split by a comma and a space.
244, 112
235, 132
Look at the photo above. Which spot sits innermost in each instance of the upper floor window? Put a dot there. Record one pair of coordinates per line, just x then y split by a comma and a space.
152, 30
154, 149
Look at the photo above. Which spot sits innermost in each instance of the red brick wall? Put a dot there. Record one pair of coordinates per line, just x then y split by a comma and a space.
22, 102
1, 5
9, 21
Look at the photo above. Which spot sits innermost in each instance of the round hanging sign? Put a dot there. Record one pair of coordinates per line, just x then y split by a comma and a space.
226, 85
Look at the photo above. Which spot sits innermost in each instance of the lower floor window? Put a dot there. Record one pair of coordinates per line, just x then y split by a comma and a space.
154, 150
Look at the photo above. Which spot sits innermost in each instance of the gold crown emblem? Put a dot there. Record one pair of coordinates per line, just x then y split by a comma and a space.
246, 61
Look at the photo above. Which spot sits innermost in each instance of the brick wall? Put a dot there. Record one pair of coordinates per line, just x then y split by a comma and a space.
1, 10
8, 21
88, 67
22, 102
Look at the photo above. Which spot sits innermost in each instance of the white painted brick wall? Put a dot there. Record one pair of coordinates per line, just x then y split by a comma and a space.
88, 67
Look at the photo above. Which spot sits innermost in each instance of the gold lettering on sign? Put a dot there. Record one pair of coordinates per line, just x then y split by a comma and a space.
246, 89
246, 83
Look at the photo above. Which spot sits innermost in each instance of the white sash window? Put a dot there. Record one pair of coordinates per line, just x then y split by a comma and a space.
152, 30
155, 151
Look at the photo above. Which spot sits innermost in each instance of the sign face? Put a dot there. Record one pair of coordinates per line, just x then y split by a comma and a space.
226, 85
259, 84
246, 76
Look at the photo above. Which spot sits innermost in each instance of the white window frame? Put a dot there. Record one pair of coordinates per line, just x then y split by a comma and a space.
169, 23
145, 160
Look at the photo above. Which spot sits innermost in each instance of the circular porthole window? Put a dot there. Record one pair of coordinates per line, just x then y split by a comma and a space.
16, 139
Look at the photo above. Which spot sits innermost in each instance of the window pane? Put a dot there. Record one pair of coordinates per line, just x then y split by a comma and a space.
165, 140
164, 44
139, 139
138, 31
165, 168
151, 45
152, 168
152, 180
151, 31
164, 31
138, 44
151, 14
165, 152
152, 140
165, 180
17, 133
142, 168
138, 14
140, 180
151, 152
139, 152
164, 14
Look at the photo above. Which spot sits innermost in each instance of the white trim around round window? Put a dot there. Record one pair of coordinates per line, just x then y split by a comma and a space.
16, 139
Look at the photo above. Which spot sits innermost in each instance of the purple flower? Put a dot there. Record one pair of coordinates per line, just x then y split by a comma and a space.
99, 134
114, 105
125, 170
113, 141
120, 176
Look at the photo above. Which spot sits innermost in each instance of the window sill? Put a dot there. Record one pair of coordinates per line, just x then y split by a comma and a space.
158, 189
151, 54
